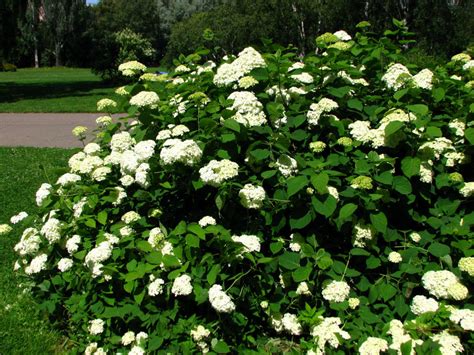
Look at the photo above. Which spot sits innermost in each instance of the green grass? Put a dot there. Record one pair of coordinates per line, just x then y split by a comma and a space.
23, 330
52, 90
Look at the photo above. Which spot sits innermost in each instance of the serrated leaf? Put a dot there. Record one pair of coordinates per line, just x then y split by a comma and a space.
469, 134
320, 182
212, 275
276, 247
192, 241
438, 94
102, 217
402, 185
301, 274
260, 154
379, 221
410, 166
355, 104
419, 109
296, 184
289, 260
347, 211
393, 127
232, 125
300, 223
439, 250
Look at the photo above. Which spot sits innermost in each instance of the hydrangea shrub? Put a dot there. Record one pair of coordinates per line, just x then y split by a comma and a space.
269, 203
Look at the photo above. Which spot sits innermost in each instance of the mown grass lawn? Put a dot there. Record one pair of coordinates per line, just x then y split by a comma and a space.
23, 330
52, 90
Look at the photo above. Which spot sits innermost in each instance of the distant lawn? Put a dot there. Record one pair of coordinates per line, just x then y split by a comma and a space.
52, 90
23, 330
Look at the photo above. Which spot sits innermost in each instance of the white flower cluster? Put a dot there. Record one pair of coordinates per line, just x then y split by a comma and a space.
346, 77
51, 230
219, 300
199, 335
463, 317
216, 172
29, 242
155, 288
93, 349
400, 336
144, 99
182, 286
106, 105
329, 332
336, 291
246, 61
96, 256
155, 237
37, 264
65, 264
130, 217
72, 244
397, 76
373, 346
324, 105
286, 165
450, 344
251, 243
42, 194
468, 65
206, 67
342, 35
96, 326
247, 82
252, 196
182, 69
424, 79
303, 289
291, 325
128, 338
121, 142
395, 257
468, 189
207, 221
458, 126
175, 150
362, 132
444, 284
68, 179
131, 68
172, 131
83, 163
363, 234
467, 265
422, 304
18, 218
249, 111
303, 78
461, 57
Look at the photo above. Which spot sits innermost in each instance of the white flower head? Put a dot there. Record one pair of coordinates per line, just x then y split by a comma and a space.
422, 304
207, 221
252, 196
182, 286
219, 300
96, 326
336, 291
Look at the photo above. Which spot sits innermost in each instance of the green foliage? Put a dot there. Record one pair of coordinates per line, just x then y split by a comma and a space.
298, 238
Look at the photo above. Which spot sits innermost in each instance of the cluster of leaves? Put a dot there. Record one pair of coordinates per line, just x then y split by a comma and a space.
397, 204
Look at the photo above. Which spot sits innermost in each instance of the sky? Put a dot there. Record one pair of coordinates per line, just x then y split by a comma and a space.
92, 1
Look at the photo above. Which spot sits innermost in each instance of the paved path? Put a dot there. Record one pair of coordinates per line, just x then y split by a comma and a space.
44, 129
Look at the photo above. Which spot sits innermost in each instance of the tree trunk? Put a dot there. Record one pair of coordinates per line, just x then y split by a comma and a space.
301, 29
57, 54
36, 55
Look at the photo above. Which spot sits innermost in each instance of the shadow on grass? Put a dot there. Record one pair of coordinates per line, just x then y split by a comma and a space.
12, 92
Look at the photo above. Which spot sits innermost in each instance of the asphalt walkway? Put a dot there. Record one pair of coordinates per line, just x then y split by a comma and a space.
44, 129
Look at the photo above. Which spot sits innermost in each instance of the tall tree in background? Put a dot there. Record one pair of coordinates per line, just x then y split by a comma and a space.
59, 18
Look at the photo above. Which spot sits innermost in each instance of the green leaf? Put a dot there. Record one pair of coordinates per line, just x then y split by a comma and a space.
339, 92
221, 347
129, 286
276, 247
360, 252
379, 221
301, 274
433, 132
268, 174
90, 223
320, 182
419, 109
212, 275
373, 262
192, 241
325, 208
402, 185
289, 260
469, 134
400, 93
102, 217
143, 245
260, 154
438, 94
393, 127
227, 137
324, 262
439, 250
346, 212
171, 261
296, 184
232, 125
410, 166
300, 223
355, 104
387, 291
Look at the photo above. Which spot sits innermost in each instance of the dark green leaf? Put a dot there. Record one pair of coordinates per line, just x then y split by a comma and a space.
300, 223
221, 347
355, 104
438, 94
439, 250
402, 185
419, 109
232, 125
289, 260
102, 217
410, 166
379, 221
192, 241
295, 184
301, 274
320, 182
469, 134
260, 154
393, 127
